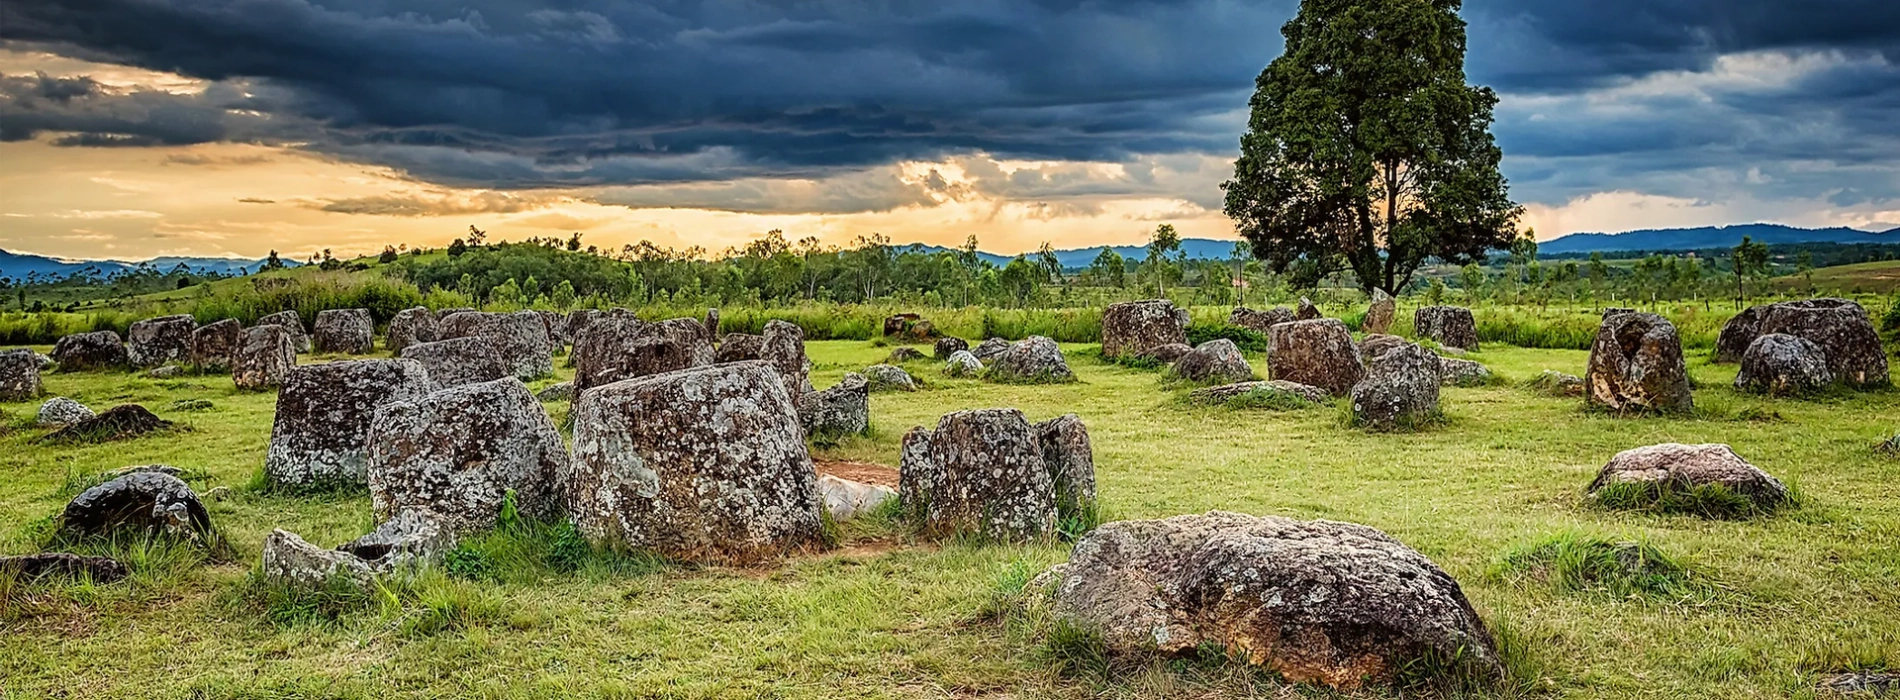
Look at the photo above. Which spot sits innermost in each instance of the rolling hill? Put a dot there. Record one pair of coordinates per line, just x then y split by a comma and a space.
19, 265
1709, 237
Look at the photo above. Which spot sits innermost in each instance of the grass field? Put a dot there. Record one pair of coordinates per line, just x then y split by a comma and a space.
1881, 277
1766, 604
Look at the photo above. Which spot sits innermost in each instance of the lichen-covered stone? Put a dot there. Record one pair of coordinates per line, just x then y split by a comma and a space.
1317, 602
784, 350
739, 347
1070, 458
1260, 321
293, 324
1307, 310
980, 472
577, 322
267, 355
989, 349
1740, 330
1170, 353
409, 327
1678, 467
962, 364
324, 414
904, 354
19, 375
1467, 373
520, 339
1216, 361
843, 409
563, 391
139, 503
1032, 359
1372, 346
620, 346
459, 361
1780, 364
888, 378
948, 345
1276, 389
458, 452
1318, 352
1450, 326
1400, 389
1131, 327
160, 341
97, 350
214, 345
1636, 365
346, 331
61, 411
1380, 313
712, 322
409, 541
702, 464
1843, 332
556, 325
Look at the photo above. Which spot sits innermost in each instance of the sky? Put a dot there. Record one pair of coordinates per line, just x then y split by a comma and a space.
137, 128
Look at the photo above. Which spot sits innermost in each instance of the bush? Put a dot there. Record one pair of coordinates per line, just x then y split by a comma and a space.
1248, 339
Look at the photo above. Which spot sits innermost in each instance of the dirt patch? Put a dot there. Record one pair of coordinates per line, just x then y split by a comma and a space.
861, 472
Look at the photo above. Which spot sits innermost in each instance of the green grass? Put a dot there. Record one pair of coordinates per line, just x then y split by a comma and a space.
887, 616
1573, 563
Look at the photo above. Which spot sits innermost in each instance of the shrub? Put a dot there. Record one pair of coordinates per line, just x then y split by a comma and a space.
1248, 339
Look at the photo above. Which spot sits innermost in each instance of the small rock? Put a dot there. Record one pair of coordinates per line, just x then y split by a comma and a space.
962, 364
400, 545
118, 422
166, 372
904, 354
1307, 310
1214, 362
1780, 364
887, 378
60, 411
1466, 373
843, 409
1035, 359
1682, 468
1558, 383
846, 499
218, 494
1375, 345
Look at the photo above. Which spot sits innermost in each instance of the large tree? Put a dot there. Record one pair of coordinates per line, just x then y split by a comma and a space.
1366, 150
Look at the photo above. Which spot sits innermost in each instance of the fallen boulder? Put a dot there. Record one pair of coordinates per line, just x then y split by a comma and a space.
1636, 365
563, 391
139, 503
905, 354
1319, 602
888, 378
702, 464
160, 341
320, 437
459, 452
1319, 352
1843, 332
116, 423
1132, 327
82, 352
846, 499
1465, 373
989, 349
400, 545
1167, 354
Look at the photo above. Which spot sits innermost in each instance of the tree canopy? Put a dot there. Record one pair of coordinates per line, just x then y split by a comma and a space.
1366, 150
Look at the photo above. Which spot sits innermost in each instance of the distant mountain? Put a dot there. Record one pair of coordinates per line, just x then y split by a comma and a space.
19, 265
1077, 258
1709, 237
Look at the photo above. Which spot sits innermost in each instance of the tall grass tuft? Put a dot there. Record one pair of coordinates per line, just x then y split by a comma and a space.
1575, 563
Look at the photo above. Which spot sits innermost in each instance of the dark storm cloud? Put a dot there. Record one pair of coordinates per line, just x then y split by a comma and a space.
732, 94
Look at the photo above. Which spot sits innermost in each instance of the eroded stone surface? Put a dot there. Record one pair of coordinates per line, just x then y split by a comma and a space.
784, 350
1674, 466
1380, 313
409, 327
702, 464
1450, 326
1306, 311
1843, 332
1260, 321
1400, 389
889, 378
1169, 353
62, 411
846, 499
1132, 327
411, 540
1214, 362
1032, 359
138, 503
1070, 458
980, 472
1372, 346
459, 451
346, 331
1780, 364
160, 341
620, 346
1319, 352
292, 324
459, 361
1636, 365
904, 354
266, 356
214, 346
947, 346
97, 350
19, 375
519, 338
324, 414
843, 409
989, 349
739, 347
1466, 373
962, 364
1320, 602
563, 391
